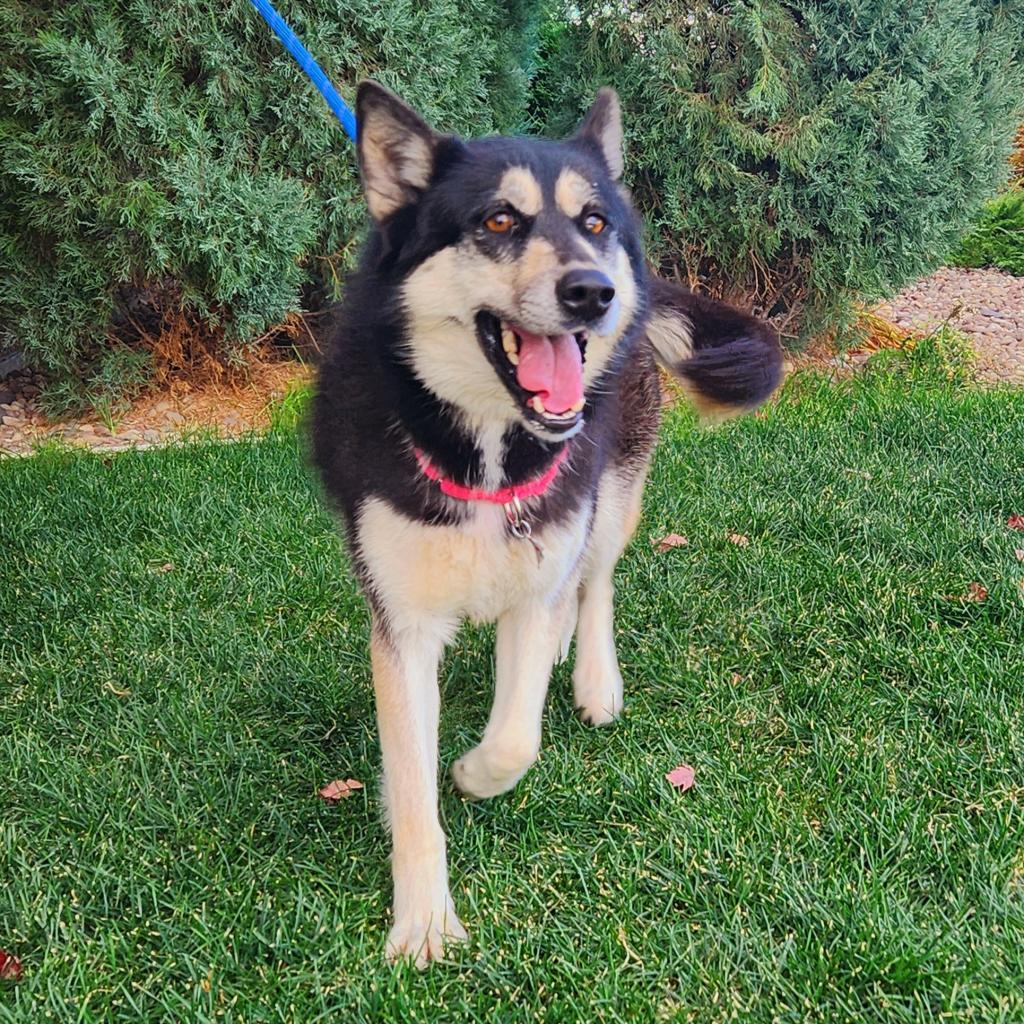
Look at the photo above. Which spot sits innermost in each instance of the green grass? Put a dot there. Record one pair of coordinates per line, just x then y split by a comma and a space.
288, 412
183, 664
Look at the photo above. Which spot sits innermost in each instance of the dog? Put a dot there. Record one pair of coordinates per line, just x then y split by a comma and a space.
483, 422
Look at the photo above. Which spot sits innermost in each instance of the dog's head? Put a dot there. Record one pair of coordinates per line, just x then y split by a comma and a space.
519, 260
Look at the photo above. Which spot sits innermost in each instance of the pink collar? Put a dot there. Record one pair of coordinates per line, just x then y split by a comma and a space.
531, 489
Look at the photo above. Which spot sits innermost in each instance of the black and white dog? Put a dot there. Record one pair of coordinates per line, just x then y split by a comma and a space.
483, 424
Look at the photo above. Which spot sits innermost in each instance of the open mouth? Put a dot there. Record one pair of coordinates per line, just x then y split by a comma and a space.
543, 372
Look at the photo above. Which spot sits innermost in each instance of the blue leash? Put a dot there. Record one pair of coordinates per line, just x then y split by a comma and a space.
304, 59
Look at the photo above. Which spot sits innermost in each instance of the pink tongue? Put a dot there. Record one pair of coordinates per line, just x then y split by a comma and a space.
552, 367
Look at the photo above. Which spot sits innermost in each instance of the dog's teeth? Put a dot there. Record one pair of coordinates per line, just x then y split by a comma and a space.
508, 343
538, 404
578, 405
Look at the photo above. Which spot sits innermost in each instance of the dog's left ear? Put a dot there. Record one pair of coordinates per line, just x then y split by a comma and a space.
602, 127
396, 150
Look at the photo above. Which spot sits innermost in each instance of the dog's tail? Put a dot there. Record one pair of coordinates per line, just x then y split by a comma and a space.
727, 361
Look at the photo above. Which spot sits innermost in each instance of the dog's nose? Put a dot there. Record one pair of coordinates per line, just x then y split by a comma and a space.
585, 294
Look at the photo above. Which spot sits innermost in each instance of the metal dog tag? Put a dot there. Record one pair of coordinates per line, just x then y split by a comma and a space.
519, 526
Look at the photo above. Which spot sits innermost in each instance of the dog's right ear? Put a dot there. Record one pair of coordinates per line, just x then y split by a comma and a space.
602, 130
396, 150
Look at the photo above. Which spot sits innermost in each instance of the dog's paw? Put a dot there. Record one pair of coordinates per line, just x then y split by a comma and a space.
423, 934
598, 694
487, 770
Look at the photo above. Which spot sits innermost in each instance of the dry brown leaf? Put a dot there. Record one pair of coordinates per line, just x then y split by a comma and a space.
738, 539
339, 789
975, 594
681, 777
10, 966
669, 541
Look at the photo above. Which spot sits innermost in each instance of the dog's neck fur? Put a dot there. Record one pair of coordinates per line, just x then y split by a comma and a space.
488, 455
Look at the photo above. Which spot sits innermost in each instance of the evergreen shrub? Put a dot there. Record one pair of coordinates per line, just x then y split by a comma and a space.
997, 238
168, 158
799, 153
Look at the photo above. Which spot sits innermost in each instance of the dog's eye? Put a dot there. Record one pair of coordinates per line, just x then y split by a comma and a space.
595, 223
499, 223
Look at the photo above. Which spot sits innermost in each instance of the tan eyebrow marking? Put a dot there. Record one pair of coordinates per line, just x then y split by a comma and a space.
572, 192
520, 188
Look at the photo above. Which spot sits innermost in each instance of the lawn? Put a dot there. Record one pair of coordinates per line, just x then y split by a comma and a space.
182, 665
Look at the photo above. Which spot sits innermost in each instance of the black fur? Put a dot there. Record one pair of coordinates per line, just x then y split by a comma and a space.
736, 358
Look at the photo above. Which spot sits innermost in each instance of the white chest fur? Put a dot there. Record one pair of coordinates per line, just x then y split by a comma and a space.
475, 569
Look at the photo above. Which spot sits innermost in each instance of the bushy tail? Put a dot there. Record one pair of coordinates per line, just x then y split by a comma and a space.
726, 360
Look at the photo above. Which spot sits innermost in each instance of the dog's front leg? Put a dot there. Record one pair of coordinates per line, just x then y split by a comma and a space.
405, 683
528, 639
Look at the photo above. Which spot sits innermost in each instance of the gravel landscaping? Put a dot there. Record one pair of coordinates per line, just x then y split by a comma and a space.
987, 305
